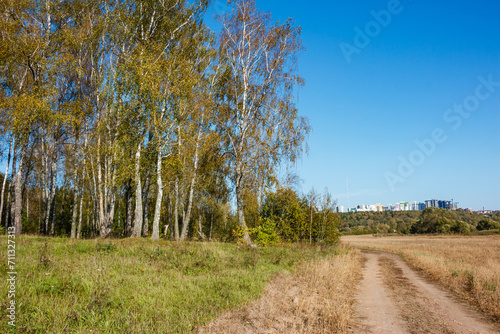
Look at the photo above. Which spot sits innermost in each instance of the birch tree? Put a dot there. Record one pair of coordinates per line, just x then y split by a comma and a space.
259, 121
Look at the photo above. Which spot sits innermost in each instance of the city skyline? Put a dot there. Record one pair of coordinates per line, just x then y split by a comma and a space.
404, 206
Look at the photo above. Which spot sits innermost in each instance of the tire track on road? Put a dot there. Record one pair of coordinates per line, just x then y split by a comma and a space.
393, 298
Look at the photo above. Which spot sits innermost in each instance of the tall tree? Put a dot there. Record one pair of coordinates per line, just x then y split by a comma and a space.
258, 120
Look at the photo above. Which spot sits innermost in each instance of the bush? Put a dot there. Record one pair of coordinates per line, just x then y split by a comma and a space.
265, 234
487, 224
437, 220
460, 227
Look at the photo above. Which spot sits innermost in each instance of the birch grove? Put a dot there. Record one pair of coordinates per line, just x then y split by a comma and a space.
132, 118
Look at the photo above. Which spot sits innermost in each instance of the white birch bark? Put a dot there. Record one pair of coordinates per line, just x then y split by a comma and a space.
187, 217
5, 178
18, 193
156, 221
79, 230
138, 195
75, 206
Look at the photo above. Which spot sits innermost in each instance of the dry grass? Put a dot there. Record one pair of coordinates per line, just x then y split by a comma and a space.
468, 266
317, 298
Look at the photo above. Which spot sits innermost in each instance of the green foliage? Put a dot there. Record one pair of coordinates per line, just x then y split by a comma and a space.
377, 222
487, 224
310, 218
287, 211
265, 234
437, 220
404, 222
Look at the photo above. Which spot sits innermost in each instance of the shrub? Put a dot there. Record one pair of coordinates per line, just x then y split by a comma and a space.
437, 220
487, 224
266, 233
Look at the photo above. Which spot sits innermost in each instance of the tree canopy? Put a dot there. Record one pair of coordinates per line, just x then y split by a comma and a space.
132, 118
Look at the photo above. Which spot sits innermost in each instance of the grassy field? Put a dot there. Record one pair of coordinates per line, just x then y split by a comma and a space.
137, 286
469, 266
316, 298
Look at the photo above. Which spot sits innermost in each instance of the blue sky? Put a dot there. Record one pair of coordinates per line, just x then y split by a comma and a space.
368, 113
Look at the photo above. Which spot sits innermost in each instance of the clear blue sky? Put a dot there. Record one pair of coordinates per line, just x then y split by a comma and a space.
366, 114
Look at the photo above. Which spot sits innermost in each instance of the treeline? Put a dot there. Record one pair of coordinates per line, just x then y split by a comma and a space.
436, 220
431, 220
132, 118
377, 222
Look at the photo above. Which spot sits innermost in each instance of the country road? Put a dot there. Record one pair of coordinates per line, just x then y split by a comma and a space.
392, 298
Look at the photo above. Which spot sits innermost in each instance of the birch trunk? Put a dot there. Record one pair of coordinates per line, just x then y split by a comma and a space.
79, 230
45, 190
12, 190
48, 196
156, 221
110, 214
40, 214
176, 210
18, 193
239, 204
145, 197
75, 214
138, 195
186, 220
200, 230
7, 212
53, 195
75, 207
5, 179
109, 198
99, 187
187, 216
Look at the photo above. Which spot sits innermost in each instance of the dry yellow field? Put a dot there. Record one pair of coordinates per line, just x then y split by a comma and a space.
467, 265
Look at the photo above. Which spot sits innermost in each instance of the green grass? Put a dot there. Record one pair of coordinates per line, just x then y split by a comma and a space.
136, 286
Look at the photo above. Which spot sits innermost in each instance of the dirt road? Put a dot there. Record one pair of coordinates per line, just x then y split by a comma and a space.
392, 298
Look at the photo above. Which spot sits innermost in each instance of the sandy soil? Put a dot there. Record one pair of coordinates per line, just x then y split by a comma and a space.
375, 311
392, 298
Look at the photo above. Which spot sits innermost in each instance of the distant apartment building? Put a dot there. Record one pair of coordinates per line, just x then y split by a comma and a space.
340, 209
432, 203
389, 207
402, 206
370, 208
444, 205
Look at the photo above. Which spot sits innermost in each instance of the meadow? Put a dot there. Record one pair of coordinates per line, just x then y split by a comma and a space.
469, 266
137, 286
